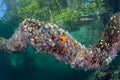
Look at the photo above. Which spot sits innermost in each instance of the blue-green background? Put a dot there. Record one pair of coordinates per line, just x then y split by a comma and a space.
29, 65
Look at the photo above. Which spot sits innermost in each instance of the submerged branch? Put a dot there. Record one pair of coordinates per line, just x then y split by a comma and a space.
53, 40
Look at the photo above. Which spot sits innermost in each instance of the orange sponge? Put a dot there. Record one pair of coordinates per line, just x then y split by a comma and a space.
63, 38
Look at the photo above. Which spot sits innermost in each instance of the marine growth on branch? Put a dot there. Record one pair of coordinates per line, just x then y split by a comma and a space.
53, 40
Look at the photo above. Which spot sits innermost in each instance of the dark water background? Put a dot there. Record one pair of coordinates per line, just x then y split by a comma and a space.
29, 65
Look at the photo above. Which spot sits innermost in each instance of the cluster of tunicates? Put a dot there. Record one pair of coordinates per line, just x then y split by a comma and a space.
53, 40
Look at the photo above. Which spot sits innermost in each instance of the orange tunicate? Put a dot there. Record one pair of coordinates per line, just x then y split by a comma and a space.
63, 38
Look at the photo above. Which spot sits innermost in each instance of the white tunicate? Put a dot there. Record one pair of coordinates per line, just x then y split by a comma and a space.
60, 29
23, 22
98, 50
112, 32
55, 32
114, 27
100, 42
39, 24
32, 19
111, 18
76, 42
46, 26
51, 26
28, 19
50, 40
25, 26
114, 16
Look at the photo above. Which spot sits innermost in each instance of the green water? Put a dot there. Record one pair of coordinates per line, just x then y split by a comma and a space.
84, 19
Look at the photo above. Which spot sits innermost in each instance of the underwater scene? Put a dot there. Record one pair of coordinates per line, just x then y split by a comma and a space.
59, 39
